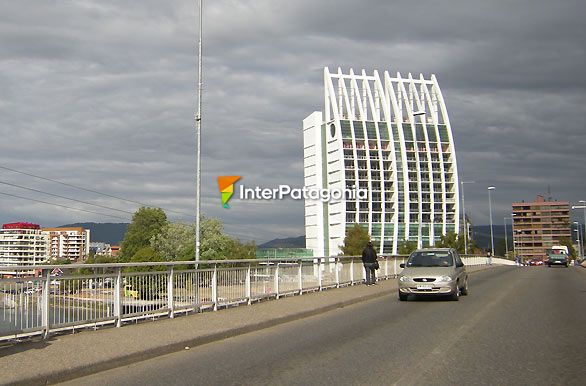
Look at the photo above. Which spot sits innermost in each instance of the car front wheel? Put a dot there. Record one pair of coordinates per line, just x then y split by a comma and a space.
464, 290
402, 297
456, 295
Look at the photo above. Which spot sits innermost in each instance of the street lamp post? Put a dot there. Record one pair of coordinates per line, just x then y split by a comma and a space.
583, 206
579, 239
513, 236
420, 113
506, 239
491, 230
464, 216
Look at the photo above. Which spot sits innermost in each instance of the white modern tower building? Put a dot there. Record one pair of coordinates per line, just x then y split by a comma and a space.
390, 135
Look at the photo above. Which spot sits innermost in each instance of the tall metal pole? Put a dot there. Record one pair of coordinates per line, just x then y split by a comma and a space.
464, 216
513, 236
198, 135
583, 202
581, 232
506, 241
579, 238
581, 245
491, 231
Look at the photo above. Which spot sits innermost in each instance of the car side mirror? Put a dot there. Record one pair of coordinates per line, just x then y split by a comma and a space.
459, 265
402, 265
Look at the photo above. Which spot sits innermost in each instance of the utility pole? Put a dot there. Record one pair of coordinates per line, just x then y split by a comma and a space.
464, 216
198, 136
491, 232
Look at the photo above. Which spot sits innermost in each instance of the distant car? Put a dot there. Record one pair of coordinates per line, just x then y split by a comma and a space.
535, 262
435, 272
557, 259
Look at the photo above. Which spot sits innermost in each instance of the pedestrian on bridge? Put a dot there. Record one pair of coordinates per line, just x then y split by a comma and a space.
370, 263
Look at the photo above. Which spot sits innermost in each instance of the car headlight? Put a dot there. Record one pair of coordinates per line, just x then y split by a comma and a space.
445, 278
404, 279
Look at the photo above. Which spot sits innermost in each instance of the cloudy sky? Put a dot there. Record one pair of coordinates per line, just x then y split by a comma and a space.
102, 95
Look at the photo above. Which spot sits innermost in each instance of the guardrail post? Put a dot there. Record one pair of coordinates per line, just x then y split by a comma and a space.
386, 268
395, 266
351, 271
319, 273
45, 303
336, 262
196, 289
248, 288
118, 297
170, 300
215, 287
277, 280
300, 277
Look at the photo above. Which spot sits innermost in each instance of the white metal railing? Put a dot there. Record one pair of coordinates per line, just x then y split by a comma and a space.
90, 295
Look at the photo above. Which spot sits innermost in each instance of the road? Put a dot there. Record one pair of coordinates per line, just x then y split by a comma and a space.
518, 326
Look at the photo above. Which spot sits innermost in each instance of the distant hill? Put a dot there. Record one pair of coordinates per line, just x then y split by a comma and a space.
111, 233
289, 242
481, 235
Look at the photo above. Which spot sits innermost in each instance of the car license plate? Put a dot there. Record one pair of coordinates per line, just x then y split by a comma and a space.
424, 287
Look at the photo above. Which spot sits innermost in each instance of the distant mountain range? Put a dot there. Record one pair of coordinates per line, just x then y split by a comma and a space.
481, 235
288, 242
113, 233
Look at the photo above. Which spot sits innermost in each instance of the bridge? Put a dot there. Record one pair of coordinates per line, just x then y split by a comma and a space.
420, 327
53, 298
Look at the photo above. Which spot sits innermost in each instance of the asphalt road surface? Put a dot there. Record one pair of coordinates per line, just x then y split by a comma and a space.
518, 326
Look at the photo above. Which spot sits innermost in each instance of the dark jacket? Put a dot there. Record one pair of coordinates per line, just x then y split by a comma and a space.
368, 255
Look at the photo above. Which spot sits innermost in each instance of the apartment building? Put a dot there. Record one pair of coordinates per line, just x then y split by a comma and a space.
71, 243
22, 244
538, 225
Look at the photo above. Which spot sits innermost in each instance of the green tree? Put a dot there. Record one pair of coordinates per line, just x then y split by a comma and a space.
61, 261
355, 241
175, 242
568, 243
215, 244
406, 247
147, 255
148, 289
500, 249
243, 250
456, 241
146, 223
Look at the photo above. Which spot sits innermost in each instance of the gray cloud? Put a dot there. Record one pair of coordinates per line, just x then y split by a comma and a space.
102, 94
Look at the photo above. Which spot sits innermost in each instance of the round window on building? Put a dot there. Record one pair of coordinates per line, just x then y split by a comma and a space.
333, 130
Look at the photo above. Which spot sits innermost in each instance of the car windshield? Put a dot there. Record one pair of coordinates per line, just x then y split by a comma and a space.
430, 259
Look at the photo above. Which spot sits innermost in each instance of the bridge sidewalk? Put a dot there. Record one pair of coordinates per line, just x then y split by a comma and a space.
70, 356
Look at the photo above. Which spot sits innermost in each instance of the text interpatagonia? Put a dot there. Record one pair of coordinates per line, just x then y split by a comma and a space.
305, 193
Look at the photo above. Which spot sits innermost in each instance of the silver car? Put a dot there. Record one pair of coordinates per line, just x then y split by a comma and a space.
437, 271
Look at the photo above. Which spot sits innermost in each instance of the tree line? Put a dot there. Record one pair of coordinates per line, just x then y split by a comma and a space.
151, 237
